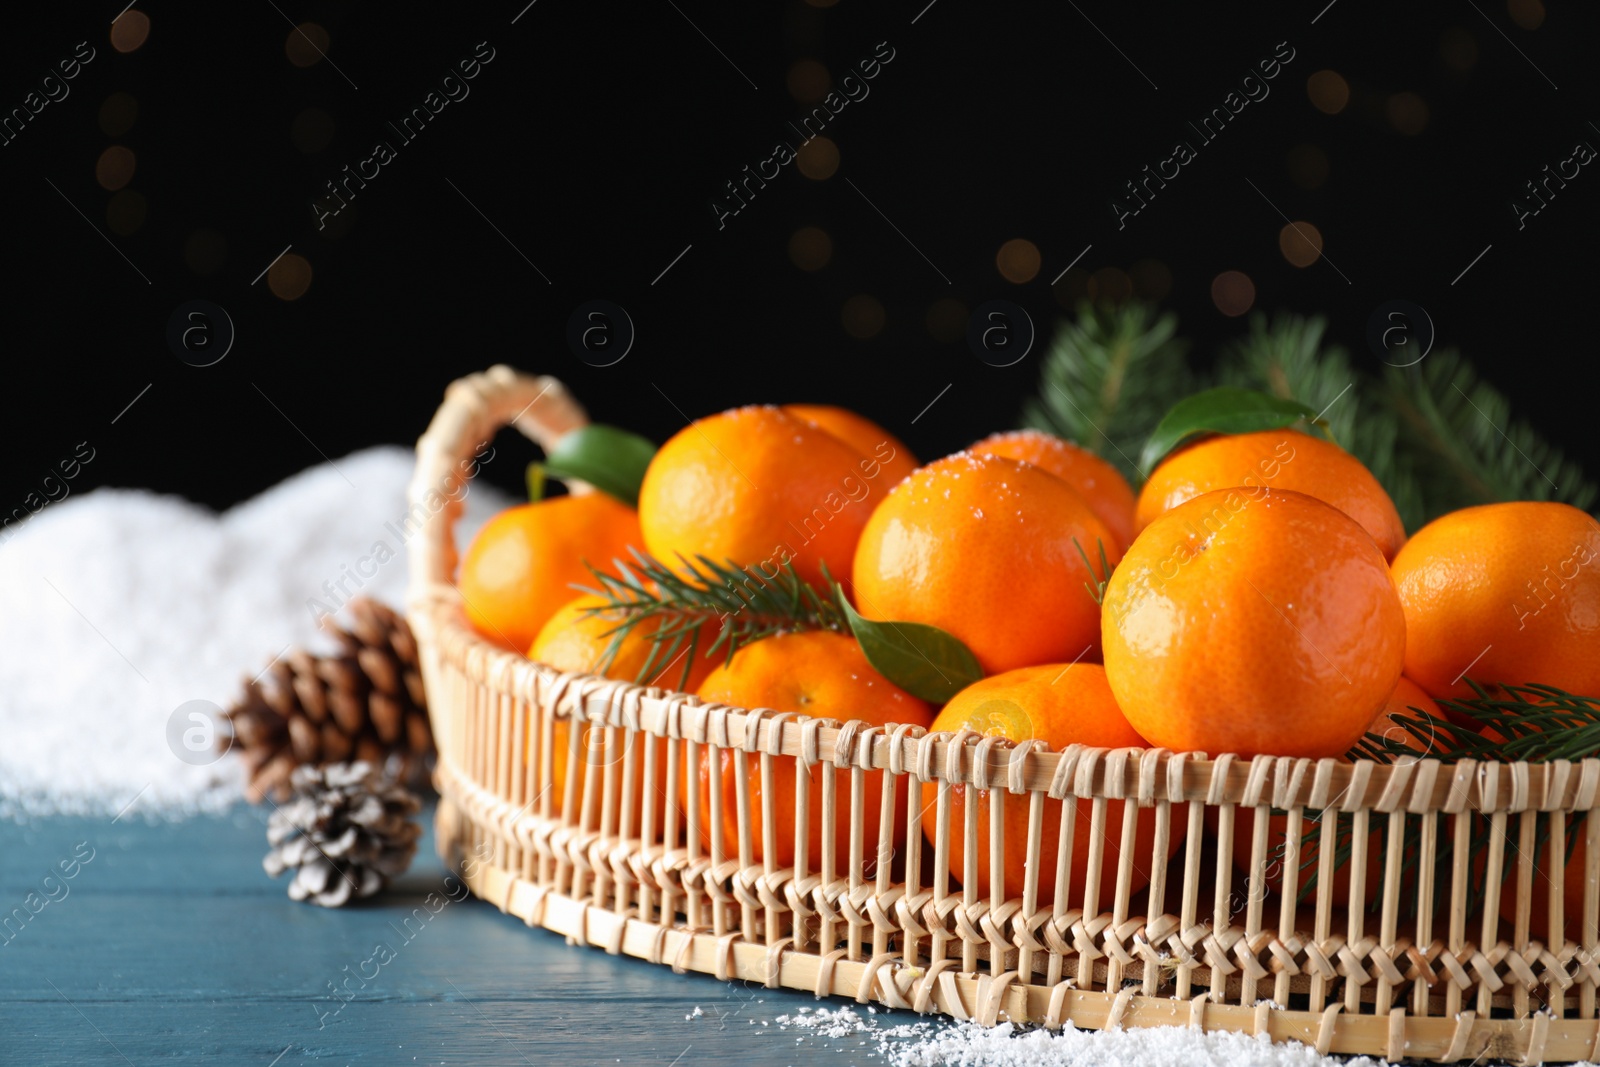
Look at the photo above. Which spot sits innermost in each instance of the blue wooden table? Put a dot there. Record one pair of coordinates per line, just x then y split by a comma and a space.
168, 944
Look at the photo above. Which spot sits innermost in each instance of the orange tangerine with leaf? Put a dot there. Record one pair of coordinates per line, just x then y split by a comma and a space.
1278, 460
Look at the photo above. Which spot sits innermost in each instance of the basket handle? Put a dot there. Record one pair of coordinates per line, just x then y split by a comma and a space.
475, 408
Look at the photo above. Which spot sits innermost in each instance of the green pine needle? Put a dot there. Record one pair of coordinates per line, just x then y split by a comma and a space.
1289, 360
1457, 434
1108, 379
1533, 722
744, 603
1101, 575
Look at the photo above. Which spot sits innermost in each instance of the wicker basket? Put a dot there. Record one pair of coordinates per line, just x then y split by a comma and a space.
1425, 970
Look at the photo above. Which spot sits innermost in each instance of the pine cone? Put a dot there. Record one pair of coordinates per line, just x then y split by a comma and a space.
345, 833
364, 702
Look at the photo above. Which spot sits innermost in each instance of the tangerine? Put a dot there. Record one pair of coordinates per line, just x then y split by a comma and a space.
1253, 623
1503, 593
1274, 459
818, 673
521, 566
1405, 700
863, 435
578, 635
1100, 484
576, 639
1574, 877
987, 548
1060, 704
760, 487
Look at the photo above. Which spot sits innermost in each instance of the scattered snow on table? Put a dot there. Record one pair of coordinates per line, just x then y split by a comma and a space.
928, 1043
118, 606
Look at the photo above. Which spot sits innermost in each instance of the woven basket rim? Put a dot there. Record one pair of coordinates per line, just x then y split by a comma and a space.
1145, 775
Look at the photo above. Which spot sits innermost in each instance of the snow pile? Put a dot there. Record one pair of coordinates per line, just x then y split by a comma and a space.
119, 606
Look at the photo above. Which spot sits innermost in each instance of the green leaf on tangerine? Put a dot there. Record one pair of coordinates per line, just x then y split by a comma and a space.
610, 459
1226, 409
927, 662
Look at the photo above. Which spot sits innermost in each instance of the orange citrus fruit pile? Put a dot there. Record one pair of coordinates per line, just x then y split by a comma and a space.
1257, 596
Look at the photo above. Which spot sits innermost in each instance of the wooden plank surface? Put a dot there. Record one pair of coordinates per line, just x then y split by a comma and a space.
171, 945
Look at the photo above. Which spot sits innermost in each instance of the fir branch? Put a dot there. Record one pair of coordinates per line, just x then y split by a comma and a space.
1457, 433
744, 603
1288, 359
1506, 724
1511, 723
1108, 379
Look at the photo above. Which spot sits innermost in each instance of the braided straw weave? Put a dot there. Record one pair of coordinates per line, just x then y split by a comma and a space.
616, 862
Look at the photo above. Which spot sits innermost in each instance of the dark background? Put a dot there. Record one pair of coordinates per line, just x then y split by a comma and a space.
598, 135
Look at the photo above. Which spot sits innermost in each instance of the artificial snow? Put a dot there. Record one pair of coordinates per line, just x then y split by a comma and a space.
119, 606
932, 1043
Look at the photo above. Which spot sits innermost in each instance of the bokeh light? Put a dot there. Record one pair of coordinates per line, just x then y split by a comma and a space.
205, 251
1151, 279
312, 130
1329, 91
1308, 166
290, 277
862, 316
1301, 243
1071, 288
129, 31
810, 248
1233, 292
1529, 14
117, 114
115, 167
306, 46
1109, 284
1408, 113
1458, 48
947, 320
126, 212
818, 158
809, 81
1018, 261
